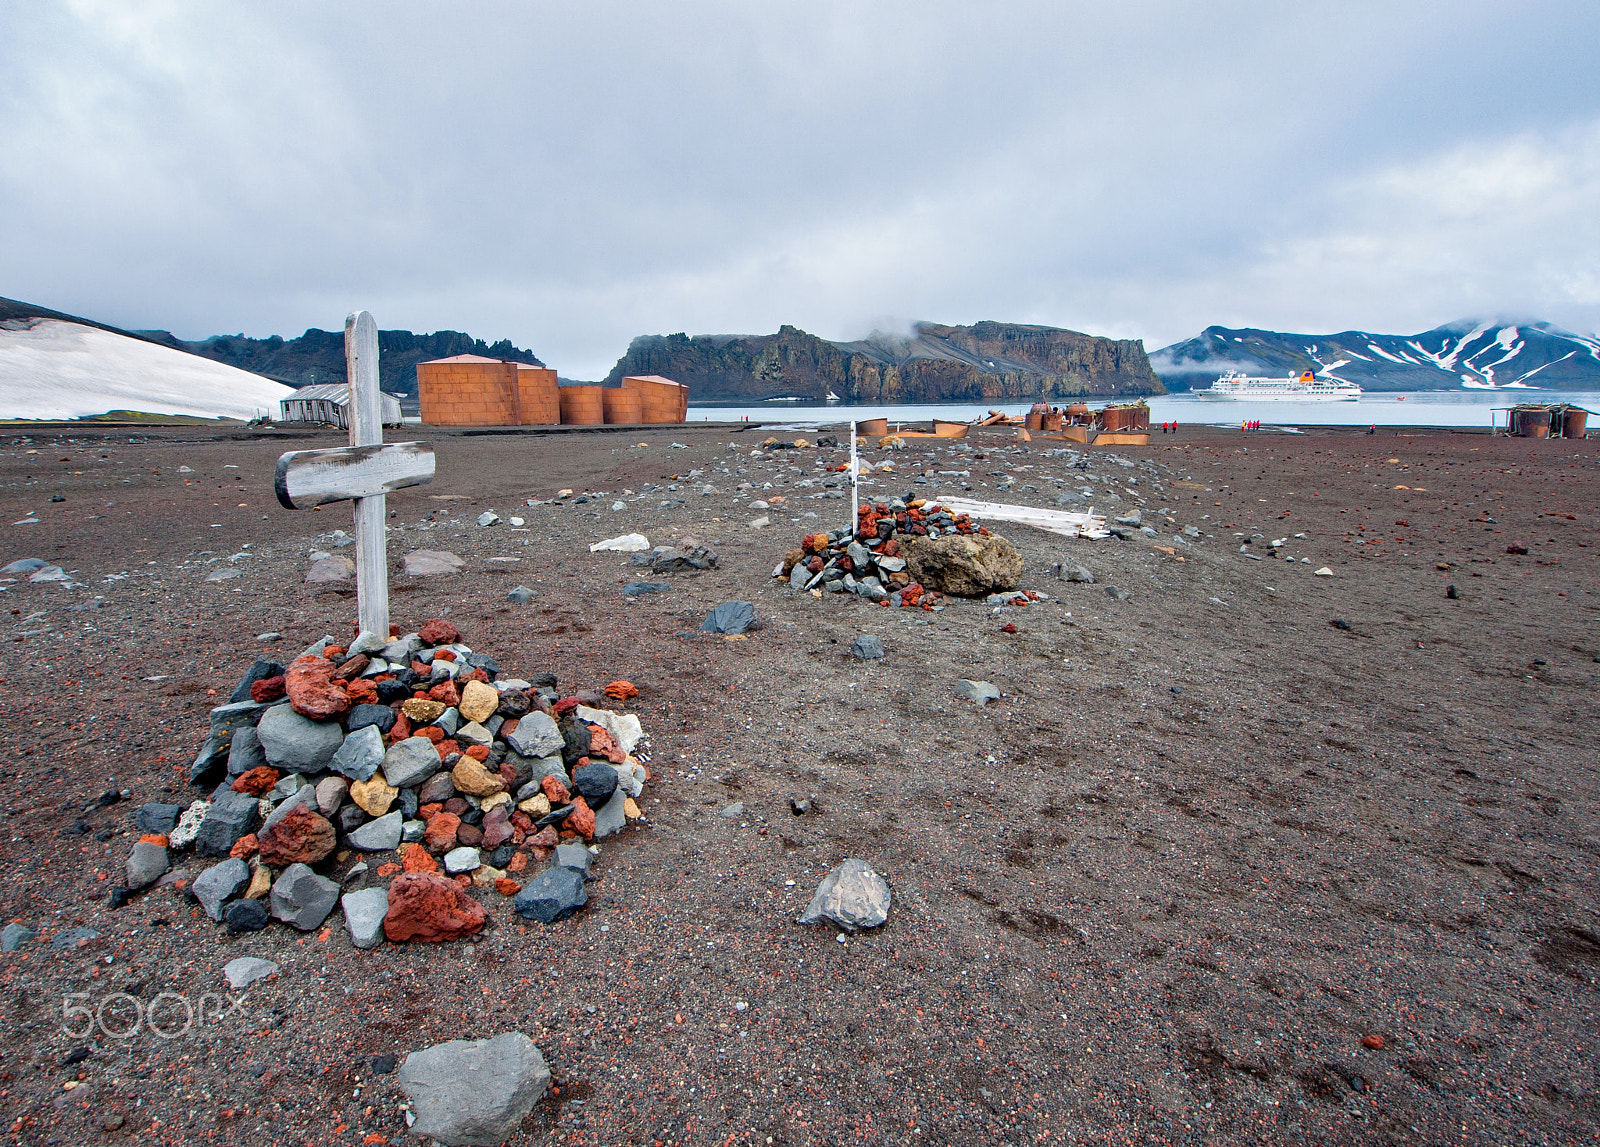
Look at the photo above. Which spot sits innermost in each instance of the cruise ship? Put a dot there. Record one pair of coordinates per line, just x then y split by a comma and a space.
1306, 387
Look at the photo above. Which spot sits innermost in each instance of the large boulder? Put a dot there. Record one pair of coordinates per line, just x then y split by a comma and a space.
474, 1091
963, 565
423, 906
298, 744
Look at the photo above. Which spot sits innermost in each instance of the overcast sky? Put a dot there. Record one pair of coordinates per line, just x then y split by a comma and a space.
571, 176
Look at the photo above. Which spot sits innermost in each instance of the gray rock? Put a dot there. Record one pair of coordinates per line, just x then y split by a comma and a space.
146, 865
212, 753
1191, 531
1078, 574
596, 781
437, 789
72, 938
364, 911
1133, 519
246, 916
473, 733
359, 756
363, 716
463, 859
297, 743
367, 642
610, 818
868, 647
474, 1091
24, 566
412, 831
799, 576
302, 898
157, 817
449, 721
630, 780
488, 518
891, 565
330, 570
350, 818
640, 588
1117, 594
554, 894
731, 617
536, 735
232, 816
574, 856
427, 563
379, 835
399, 651
245, 752
287, 786
980, 692
320, 644
303, 796
852, 896
331, 792
219, 884
188, 826
859, 555
14, 936
410, 762
521, 594
246, 970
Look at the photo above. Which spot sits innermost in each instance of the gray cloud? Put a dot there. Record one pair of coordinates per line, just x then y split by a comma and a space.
571, 176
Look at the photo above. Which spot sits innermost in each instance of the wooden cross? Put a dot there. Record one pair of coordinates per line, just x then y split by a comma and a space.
364, 471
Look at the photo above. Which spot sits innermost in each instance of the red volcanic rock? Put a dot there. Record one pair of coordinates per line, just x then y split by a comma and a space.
400, 730
426, 907
475, 675
440, 835
257, 782
445, 691
267, 689
496, 828
312, 690
446, 747
621, 690
507, 887
479, 753
566, 705
555, 790
546, 837
430, 810
470, 835
301, 837
245, 847
507, 775
582, 819
415, 858
519, 862
362, 692
601, 744
522, 820
438, 631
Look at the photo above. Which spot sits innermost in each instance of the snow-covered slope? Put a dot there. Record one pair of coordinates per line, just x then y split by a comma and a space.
1476, 355
51, 368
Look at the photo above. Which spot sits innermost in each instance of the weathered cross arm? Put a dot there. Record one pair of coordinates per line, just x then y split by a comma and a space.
307, 478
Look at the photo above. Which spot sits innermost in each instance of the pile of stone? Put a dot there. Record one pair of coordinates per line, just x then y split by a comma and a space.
396, 777
883, 558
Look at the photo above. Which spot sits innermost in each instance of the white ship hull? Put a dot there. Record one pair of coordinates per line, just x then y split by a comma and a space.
1306, 388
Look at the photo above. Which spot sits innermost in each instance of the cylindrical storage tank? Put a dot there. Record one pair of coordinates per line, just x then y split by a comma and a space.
1117, 418
1078, 412
1575, 424
1052, 421
873, 427
622, 407
582, 406
1034, 421
1535, 423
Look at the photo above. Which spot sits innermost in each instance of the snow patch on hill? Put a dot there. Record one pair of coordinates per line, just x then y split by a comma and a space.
55, 369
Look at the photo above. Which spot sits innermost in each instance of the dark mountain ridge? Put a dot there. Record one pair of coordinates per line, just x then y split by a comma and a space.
985, 362
1475, 355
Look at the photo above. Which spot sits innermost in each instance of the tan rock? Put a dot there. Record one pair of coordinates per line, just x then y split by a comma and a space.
631, 809
472, 778
479, 701
484, 876
260, 882
494, 802
421, 711
535, 805
374, 796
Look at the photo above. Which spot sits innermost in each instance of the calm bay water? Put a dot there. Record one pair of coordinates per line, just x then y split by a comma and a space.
1404, 408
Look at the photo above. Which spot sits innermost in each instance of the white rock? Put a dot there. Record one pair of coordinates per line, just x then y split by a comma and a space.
246, 970
625, 544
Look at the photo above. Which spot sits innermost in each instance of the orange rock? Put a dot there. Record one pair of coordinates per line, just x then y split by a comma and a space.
474, 675
507, 887
430, 810
440, 835
245, 847
445, 693
362, 691
464, 880
300, 837
446, 747
519, 862
427, 907
257, 782
1375, 1042
153, 838
479, 753
415, 858
392, 869
438, 631
432, 732
555, 790
622, 690
601, 744
333, 652
445, 655
312, 691
509, 727
581, 820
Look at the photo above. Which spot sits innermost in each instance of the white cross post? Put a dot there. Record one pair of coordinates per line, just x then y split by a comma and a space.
363, 471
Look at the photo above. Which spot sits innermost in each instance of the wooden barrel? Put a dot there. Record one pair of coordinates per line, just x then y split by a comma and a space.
873, 427
622, 407
582, 406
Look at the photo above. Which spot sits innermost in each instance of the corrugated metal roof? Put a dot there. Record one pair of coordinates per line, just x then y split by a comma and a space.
332, 391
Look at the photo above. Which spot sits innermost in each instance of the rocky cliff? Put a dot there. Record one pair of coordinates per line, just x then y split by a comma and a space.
986, 362
318, 355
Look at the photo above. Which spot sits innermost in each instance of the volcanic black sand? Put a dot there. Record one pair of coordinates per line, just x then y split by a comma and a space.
1208, 843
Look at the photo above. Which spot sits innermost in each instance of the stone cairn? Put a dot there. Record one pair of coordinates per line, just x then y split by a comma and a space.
411, 752
868, 561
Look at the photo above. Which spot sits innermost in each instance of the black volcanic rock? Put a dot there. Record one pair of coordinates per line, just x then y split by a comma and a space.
986, 362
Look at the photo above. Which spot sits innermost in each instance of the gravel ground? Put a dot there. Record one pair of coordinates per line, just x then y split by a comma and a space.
1205, 846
